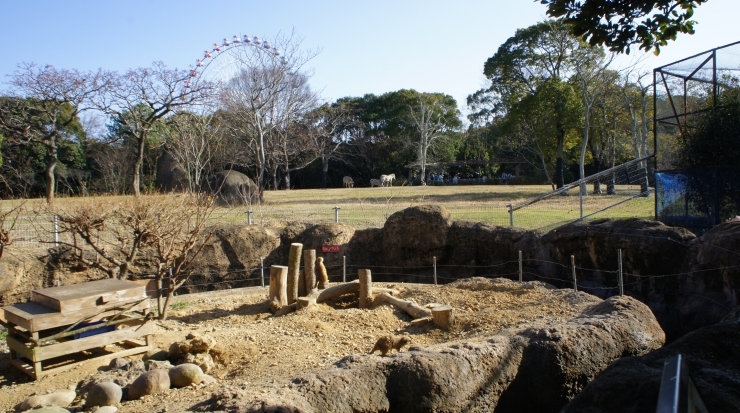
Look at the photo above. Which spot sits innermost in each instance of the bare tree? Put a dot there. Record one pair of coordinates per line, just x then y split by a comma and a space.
432, 116
8, 219
139, 98
45, 106
194, 141
261, 95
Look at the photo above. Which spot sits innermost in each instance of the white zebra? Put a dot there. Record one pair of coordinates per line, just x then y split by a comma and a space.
348, 182
375, 182
387, 179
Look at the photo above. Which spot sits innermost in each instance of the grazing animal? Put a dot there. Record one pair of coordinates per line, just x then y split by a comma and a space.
387, 179
348, 182
387, 344
375, 182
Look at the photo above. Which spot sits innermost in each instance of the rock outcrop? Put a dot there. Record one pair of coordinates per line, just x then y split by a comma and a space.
472, 376
232, 188
170, 175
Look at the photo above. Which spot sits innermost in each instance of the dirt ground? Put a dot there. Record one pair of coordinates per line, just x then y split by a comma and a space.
263, 352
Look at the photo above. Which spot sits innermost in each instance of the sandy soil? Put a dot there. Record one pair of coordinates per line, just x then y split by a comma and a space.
264, 352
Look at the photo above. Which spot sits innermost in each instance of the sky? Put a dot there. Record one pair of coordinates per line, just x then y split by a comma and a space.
366, 47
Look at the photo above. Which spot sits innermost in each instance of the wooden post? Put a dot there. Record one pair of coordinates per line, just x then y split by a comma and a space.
573, 266
344, 268
434, 263
442, 316
521, 273
262, 271
619, 270
309, 269
278, 287
294, 265
366, 288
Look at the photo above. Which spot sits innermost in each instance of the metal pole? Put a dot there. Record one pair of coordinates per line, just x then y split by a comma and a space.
619, 271
511, 215
56, 230
249, 217
573, 266
336, 214
262, 271
520, 266
344, 268
434, 262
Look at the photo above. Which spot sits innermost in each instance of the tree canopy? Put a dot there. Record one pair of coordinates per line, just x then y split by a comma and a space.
621, 24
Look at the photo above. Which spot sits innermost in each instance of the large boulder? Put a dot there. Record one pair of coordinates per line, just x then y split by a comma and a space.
632, 384
151, 382
232, 188
315, 236
104, 394
170, 175
411, 237
58, 399
471, 376
185, 375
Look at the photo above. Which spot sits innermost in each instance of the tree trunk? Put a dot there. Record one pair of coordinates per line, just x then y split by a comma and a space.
51, 164
559, 164
442, 316
366, 288
294, 265
324, 171
309, 269
136, 182
278, 287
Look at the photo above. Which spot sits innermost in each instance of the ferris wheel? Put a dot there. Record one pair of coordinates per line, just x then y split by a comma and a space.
228, 59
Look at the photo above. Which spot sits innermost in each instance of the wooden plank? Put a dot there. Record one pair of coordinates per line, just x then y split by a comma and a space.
29, 370
74, 346
76, 297
36, 317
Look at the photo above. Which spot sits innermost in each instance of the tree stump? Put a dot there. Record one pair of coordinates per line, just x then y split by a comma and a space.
305, 302
442, 315
309, 269
323, 275
294, 265
278, 287
366, 288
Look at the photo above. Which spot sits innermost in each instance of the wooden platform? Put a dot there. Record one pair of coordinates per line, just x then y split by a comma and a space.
44, 340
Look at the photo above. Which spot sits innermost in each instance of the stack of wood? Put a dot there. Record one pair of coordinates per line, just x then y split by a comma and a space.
292, 289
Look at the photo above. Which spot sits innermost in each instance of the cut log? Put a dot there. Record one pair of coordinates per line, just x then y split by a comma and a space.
285, 310
294, 265
337, 291
323, 276
413, 309
380, 290
309, 271
442, 316
305, 302
278, 287
366, 288
421, 321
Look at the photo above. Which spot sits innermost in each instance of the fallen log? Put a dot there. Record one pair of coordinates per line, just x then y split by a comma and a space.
413, 309
338, 290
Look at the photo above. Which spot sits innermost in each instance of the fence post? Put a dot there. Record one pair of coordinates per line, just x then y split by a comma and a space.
249, 217
619, 272
344, 268
336, 214
573, 266
262, 271
520, 266
511, 215
434, 263
56, 230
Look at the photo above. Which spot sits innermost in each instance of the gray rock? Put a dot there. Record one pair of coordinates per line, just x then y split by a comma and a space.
151, 382
232, 188
185, 375
50, 409
104, 394
136, 365
118, 363
208, 379
156, 354
105, 409
170, 176
202, 360
153, 364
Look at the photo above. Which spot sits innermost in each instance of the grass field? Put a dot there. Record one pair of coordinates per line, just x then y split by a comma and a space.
370, 207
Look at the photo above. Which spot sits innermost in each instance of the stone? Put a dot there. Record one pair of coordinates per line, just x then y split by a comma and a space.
104, 394
413, 235
185, 374
208, 379
50, 409
711, 354
151, 382
59, 399
193, 344
156, 354
136, 365
202, 360
105, 409
154, 364
118, 363
232, 188
170, 175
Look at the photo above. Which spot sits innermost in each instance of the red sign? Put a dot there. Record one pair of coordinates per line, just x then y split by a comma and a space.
329, 248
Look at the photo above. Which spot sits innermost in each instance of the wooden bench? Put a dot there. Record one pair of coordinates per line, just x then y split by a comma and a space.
43, 335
